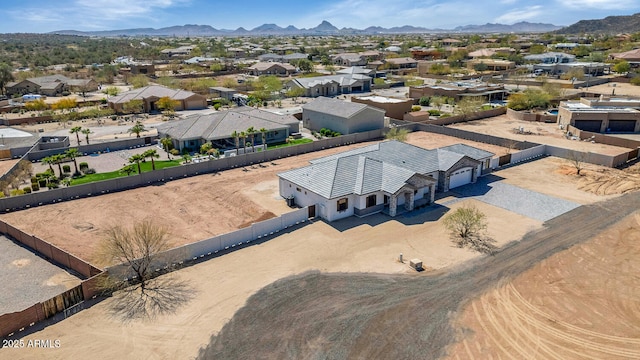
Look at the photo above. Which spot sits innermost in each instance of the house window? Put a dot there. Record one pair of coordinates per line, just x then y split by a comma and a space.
386, 199
343, 204
372, 200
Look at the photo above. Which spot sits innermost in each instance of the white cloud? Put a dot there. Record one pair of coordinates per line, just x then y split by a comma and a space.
123, 9
600, 4
517, 15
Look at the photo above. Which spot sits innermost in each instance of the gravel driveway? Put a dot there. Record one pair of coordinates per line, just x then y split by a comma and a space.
27, 278
532, 204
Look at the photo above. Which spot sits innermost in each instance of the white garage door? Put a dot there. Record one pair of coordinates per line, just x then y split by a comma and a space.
460, 177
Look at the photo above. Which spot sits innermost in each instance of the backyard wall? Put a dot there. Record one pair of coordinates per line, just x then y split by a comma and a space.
172, 173
423, 117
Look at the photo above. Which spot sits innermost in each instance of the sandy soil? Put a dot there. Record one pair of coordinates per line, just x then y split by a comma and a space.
222, 285
578, 304
192, 209
620, 89
6, 165
195, 208
194, 212
543, 133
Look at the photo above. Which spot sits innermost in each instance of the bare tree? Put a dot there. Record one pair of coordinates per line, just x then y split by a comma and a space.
577, 160
139, 289
467, 227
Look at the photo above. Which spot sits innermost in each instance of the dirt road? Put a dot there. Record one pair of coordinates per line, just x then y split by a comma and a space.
385, 316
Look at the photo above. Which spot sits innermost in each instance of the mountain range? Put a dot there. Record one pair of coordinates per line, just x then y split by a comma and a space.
609, 25
324, 28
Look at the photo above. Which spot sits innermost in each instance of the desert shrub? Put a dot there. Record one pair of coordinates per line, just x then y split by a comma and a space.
174, 152
415, 108
90, 171
635, 81
83, 166
335, 134
66, 168
42, 182
424, 101
216, 106
16, 192
34, 179
27, 190
2, 194
35, 187
434, 112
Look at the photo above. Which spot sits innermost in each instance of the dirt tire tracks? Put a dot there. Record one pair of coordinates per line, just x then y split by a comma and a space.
393, 316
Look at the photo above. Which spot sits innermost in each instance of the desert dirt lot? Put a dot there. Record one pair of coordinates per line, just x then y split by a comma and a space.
194, 209
222, 285
541, 133
203, 206
578, 304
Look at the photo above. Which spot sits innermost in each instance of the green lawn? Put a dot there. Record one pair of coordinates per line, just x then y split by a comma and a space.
145, 167
291, 143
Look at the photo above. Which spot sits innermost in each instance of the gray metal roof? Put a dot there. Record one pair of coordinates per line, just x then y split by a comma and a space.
385, 166
335, 107
470, 151
349, 175
340, 79
220, 125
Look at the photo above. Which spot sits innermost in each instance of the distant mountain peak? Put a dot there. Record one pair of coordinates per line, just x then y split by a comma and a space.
325, 27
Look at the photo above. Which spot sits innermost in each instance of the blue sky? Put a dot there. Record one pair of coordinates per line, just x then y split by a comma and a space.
41, 16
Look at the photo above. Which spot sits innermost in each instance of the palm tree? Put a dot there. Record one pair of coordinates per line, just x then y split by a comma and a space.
86, 133
167, 143
49, 160
151, 153
59, 159
137, 158
243, 136
76, 130
137, 129
129, 169
72, 154
251, 132
235, 135
263, 132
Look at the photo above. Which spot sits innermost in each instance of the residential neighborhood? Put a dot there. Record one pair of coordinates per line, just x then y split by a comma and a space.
332, 191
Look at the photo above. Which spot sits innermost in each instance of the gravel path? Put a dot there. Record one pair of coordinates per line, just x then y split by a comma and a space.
27, 278
489, 189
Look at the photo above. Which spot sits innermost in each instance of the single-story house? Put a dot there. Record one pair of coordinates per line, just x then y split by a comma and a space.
380, 178
185, 100
601, 115
349, 59
394, 108
402, 63
331, 85
180, 51
342, 116
361, 70
194, 130
271, 68
461, 89
631, 56
52, 85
